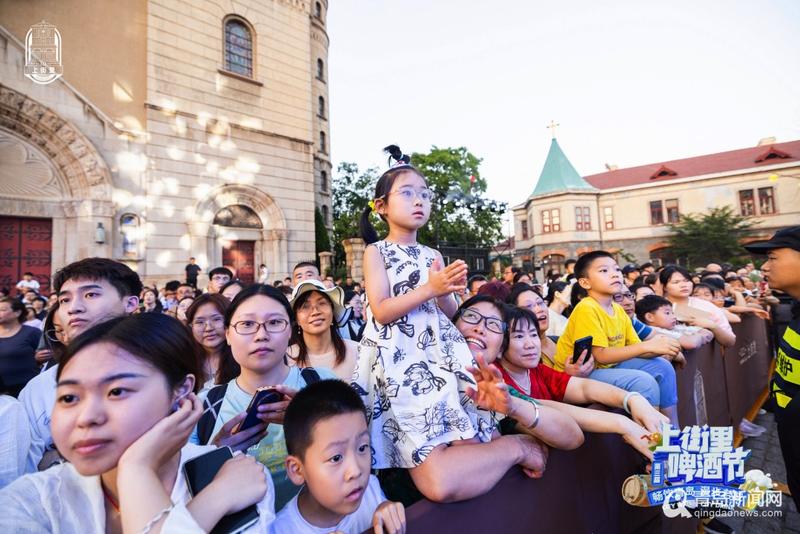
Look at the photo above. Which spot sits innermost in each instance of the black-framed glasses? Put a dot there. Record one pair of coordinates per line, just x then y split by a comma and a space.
492, 324
619, 297
273, 326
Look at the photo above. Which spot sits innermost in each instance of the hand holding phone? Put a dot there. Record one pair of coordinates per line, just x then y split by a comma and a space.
582, 344
265, 395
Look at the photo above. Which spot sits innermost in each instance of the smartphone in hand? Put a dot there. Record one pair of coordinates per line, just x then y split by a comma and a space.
584, 343
265, 395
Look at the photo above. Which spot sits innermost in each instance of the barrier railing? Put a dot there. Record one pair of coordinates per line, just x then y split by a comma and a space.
581, 489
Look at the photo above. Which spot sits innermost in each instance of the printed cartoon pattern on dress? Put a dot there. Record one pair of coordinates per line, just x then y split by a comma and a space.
411, 373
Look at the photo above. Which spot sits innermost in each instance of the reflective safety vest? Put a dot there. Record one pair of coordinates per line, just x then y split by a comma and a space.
786, 381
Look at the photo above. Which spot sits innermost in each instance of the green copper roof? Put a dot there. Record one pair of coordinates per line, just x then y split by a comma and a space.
558, 174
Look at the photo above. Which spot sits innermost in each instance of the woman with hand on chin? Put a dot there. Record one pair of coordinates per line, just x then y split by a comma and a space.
125, 406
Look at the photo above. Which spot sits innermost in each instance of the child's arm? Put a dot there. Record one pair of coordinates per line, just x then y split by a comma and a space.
656, 346
389, 517
385, 308
587, 391
447, 303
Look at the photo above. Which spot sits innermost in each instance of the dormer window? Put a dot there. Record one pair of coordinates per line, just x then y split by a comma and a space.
772, 153
663, 172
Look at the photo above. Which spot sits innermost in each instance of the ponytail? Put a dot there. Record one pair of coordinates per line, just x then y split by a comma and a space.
368, 233
402, 163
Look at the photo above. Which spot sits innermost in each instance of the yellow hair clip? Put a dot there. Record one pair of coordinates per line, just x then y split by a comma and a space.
372, 205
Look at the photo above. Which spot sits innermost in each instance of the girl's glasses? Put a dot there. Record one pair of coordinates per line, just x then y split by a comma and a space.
273, 326
492, 324
408, 194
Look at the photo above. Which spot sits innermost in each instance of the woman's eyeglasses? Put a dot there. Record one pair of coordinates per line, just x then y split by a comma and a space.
201, 324
52, 335
273, 326
492, 324
619, 297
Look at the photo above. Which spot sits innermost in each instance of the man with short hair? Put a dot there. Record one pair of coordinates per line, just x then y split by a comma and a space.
183, 291
305, 270
714, 268
782, 271
474, 283
90, 291
647, 268
192, 270
218, 277
170, 297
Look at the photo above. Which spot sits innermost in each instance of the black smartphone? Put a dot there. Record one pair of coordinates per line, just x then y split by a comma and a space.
199, 473
265, 395
584, 343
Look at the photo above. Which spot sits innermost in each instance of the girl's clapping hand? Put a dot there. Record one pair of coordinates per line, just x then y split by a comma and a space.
443, 281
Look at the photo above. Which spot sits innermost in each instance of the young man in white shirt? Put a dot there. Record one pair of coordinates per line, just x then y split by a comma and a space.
90, 291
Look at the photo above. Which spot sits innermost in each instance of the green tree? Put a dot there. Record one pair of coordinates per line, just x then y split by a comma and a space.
322, 241
352, 190
712, 237
456, 171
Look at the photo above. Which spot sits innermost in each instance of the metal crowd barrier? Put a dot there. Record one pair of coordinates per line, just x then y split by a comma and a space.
580, 491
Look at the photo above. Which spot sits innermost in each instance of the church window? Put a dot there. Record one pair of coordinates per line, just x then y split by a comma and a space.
320, 70
238, 216
238, 47
524, 228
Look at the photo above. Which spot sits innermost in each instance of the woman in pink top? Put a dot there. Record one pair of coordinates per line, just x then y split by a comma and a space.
677, 284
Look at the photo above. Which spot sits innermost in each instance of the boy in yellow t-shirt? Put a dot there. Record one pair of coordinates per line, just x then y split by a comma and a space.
621, 358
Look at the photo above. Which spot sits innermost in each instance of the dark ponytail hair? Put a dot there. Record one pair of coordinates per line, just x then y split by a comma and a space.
402, 163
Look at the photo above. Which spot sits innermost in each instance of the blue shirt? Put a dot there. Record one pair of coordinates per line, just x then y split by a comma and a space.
642, 330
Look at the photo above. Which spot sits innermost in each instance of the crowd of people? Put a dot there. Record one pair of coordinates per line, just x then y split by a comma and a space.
422, 382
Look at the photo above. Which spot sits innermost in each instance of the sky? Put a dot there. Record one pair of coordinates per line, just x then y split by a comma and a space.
629, 83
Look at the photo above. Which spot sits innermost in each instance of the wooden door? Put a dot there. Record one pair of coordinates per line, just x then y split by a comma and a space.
241, 256
25, 245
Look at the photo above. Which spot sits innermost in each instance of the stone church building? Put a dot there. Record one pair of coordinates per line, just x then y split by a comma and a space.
179, 128
628, 211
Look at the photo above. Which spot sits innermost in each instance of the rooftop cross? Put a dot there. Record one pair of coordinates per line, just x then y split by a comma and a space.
552, 127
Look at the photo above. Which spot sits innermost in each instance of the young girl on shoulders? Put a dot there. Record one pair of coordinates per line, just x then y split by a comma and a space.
412, 361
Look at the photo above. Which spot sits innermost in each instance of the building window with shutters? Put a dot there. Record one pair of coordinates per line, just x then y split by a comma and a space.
524, 229
766, 201
673, 215
656, 212
583, 221
239, 38
551, 221
747, 206
608, 217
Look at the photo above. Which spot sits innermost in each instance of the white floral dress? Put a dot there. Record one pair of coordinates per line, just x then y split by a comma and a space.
411, 373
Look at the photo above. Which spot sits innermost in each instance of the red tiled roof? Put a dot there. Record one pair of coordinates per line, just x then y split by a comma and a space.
732, 160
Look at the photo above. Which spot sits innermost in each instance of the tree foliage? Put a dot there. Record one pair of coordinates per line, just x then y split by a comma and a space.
712, 237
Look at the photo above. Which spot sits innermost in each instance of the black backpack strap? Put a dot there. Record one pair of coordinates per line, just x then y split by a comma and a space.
205, 426
310, 375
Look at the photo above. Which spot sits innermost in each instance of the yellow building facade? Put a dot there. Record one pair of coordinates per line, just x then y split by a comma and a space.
179, 128
628, 211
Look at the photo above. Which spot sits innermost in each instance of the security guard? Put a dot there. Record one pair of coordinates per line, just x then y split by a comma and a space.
782, 271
